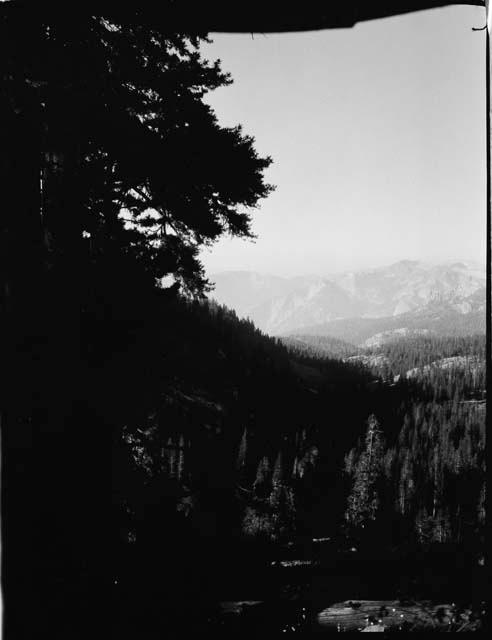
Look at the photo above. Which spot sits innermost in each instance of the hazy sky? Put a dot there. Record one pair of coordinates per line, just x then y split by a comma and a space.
377, 134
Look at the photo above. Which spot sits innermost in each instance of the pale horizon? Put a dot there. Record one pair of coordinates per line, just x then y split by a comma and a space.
366, 268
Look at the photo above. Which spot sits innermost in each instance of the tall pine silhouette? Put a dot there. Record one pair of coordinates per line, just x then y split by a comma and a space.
116, 173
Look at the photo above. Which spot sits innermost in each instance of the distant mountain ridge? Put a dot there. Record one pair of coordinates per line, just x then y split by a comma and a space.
371, 332
409, 296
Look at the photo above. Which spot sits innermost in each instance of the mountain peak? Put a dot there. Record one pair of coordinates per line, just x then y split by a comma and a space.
283, 305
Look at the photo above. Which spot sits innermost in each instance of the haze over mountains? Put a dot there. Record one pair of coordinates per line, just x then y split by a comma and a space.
405, 297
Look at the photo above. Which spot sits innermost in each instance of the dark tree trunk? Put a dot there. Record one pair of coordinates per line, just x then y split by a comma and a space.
55, 444
19, 300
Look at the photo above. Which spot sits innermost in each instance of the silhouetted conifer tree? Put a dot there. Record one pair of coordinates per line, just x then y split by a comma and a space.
118, 173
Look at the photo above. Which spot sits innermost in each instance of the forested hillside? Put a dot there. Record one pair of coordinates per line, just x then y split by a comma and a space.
255, 441
440, 319
319, 346
237, 410
239, 442
431, 470
404, 354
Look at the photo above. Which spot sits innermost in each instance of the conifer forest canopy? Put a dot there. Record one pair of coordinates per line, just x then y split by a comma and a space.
155, 446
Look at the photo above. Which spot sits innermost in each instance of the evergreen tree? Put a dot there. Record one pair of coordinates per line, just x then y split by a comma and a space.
181, 458
283, 511
363, 500
295, 468
278, 471
118, 172
263, 480
349, 462
243, 450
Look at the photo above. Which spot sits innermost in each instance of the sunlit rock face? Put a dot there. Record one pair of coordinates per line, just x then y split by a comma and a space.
286, 305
